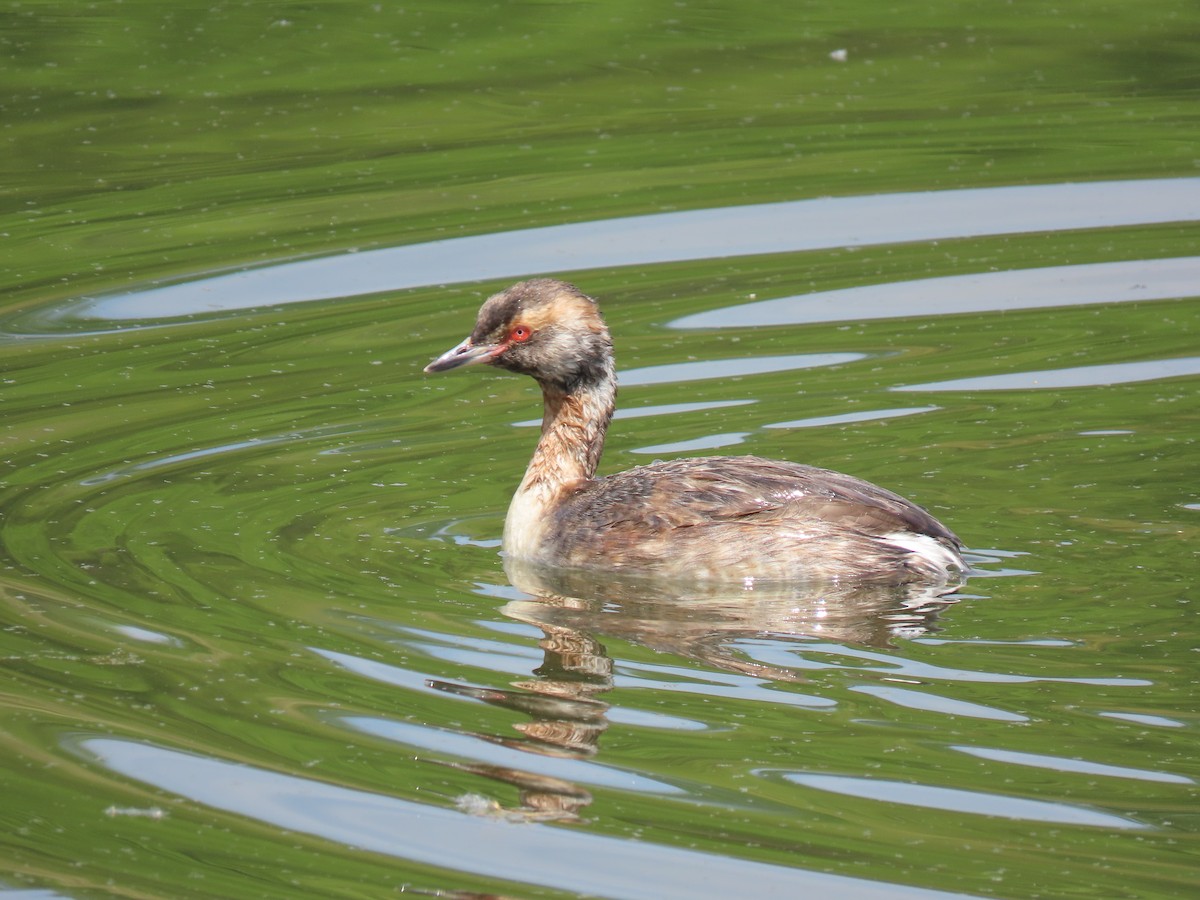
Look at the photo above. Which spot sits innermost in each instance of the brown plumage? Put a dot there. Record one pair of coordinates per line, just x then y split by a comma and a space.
709, 518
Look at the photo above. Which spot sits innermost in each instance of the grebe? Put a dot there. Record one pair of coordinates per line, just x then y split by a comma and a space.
710, 518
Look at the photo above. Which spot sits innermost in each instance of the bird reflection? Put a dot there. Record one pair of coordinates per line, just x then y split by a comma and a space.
562, 700
565, 720
701, 620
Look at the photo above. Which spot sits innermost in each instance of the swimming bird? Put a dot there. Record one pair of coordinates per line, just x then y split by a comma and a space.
713, 519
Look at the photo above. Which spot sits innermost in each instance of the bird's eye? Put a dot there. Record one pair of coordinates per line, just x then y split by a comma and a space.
520, 334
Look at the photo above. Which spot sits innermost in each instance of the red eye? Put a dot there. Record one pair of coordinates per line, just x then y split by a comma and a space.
520, 334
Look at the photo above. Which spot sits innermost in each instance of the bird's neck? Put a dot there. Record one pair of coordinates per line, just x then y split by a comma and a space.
573, 429
567, 454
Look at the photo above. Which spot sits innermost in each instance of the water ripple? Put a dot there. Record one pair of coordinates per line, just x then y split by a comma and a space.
798, 656
921, 700
472, 747
977, 803
853, 418
1076, 376
673, 373
1041, 288
665, 237
530, 853
1062, 764
158, 462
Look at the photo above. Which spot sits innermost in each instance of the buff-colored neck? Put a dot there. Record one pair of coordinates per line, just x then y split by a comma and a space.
567, 454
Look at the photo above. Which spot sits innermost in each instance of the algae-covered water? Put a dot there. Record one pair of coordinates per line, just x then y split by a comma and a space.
258, 639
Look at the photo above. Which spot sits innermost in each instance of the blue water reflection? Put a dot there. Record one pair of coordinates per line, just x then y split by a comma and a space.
527, 853
1075, 376
979, 803
665, 237
1042, 288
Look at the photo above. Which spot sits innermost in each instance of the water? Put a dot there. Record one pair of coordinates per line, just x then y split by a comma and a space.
257, 639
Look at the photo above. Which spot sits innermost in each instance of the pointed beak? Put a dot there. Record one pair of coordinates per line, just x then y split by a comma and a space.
465, 354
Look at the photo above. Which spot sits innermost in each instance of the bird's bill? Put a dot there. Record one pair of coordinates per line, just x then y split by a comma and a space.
465, 354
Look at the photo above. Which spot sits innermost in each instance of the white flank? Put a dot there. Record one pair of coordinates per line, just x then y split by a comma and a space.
929, 549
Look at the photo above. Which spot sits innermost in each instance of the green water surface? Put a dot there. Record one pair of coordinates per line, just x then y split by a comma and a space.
257, 639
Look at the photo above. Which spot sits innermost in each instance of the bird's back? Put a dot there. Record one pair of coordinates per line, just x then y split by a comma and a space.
746, 517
